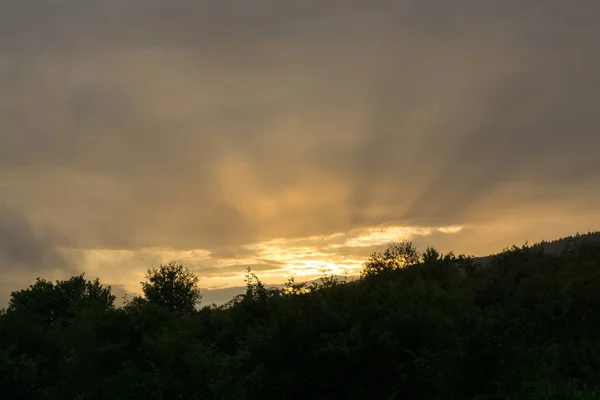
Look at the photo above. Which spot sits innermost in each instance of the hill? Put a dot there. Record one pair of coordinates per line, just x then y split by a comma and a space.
415, 325
556, 246
220, 296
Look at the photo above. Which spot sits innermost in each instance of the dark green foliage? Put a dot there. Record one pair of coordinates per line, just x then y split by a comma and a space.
57, 302
524, 326
172, 286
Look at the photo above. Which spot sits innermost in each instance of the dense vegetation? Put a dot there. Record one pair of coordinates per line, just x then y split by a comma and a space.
525, 325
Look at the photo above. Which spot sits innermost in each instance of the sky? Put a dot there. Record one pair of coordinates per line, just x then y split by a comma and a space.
294, 137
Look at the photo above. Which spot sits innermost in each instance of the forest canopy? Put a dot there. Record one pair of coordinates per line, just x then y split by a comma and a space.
522, 324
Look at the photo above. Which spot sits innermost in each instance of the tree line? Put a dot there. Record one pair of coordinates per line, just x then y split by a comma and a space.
416, 325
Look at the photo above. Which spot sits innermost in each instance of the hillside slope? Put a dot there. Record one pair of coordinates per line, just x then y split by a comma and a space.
524, 327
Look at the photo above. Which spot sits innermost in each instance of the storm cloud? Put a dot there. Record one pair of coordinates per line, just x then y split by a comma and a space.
132, 125
21, 248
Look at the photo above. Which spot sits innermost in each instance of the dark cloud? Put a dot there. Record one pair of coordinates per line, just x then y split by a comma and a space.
22, 248
198, 124
239, 269
539, 128
232, 252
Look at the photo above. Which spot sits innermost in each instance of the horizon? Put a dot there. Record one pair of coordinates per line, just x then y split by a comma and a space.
223, 294
293, 137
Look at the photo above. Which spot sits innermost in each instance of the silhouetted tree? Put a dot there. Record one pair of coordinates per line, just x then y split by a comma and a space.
172, 286
395, 256
431, 255
58, 301
522, 326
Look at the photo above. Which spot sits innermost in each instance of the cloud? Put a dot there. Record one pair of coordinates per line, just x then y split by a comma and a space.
136, 125
22, 248
27, 252
235, 270
121, 294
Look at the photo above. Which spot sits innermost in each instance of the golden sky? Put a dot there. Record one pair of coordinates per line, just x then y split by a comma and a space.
292, 136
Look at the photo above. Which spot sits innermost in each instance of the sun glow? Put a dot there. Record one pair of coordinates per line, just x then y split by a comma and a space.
274, 261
